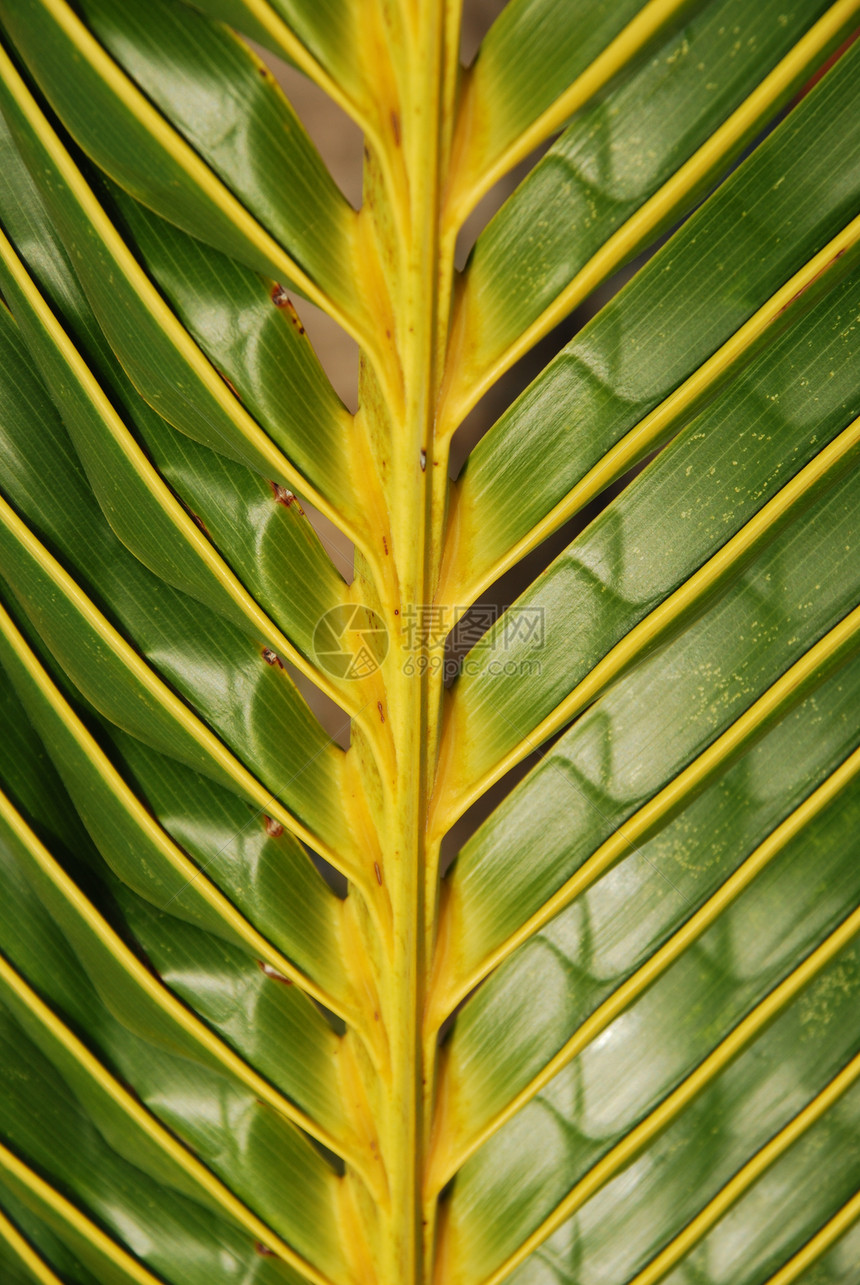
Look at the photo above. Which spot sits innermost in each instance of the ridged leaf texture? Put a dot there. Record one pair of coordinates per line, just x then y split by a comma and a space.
353, 931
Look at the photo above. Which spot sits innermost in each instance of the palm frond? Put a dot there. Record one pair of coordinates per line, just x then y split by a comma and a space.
317, 964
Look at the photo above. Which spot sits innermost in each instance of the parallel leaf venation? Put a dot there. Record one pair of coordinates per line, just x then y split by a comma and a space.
248, 1032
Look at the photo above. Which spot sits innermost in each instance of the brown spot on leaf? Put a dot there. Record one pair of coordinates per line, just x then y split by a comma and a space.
294, 317
264, 1250
273, 828
395, 128
385, 545
273, 973
378, 873
199, 522
381, 711
282, 300
285, 497
272, 657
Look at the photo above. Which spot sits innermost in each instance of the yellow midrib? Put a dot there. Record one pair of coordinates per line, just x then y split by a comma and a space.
400, 442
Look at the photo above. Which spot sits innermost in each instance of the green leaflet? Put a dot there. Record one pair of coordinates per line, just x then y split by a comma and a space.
140, 853
593, 946
829, 1265
157, 353
14, 1270
259, 345
45, 1244
260, 851
274, 1026
776, 416
111, 676
307, 1077
614, 759
781, 1068
600, 1095
767, 1238
128, 693
140, 507
59, 1134
123, 982
758, 229
265, 1149
212, 95
257, 1160
326, 29
257, 863
618, 152
533, 51
270, 545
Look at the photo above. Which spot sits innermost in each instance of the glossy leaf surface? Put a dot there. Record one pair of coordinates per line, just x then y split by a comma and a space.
355, 931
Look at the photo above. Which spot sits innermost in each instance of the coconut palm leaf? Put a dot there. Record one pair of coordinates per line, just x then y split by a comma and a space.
490, 914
